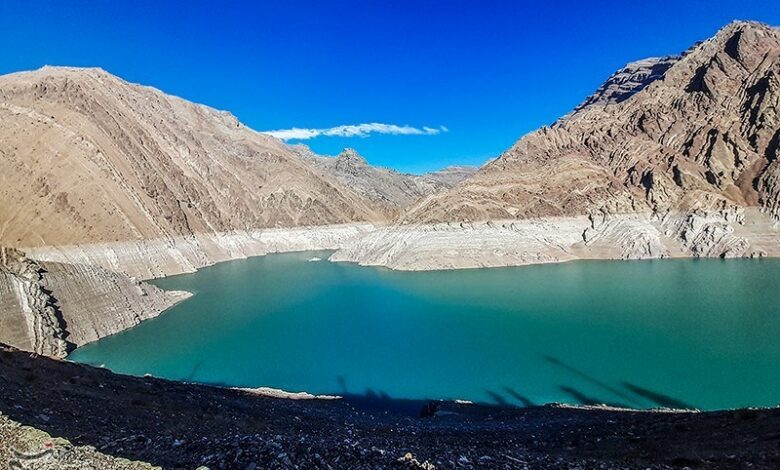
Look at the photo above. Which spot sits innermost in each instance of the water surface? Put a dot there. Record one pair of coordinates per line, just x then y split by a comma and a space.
697, 333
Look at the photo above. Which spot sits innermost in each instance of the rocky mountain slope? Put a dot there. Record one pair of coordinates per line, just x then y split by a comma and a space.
671, 157
86, 157
698, 132
384, 187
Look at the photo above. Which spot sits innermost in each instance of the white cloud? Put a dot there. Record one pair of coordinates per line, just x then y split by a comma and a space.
354, 130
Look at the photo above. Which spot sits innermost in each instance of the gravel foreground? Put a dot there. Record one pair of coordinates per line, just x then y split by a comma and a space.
58, 414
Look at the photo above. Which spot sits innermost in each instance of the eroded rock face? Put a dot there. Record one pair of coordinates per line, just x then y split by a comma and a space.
688, 134
50, 308
29, 316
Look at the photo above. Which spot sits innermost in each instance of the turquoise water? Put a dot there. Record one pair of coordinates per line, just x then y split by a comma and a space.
698, 333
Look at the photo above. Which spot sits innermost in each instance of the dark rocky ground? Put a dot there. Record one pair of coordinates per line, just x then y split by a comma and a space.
178, 425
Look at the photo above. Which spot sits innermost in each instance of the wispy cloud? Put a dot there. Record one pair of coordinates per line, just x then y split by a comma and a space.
354, 130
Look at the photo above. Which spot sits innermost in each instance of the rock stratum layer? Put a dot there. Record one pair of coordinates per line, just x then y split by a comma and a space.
90, 303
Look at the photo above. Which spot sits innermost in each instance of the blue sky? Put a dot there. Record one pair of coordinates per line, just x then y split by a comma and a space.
489, 71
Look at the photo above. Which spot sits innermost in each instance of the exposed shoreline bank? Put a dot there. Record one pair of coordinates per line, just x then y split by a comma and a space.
500, 243
81, 294
157, 258
77, 274
503, 243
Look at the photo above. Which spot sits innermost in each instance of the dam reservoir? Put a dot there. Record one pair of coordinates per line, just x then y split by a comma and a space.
642, 334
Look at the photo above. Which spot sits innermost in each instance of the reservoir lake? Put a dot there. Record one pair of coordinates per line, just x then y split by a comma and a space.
681, 333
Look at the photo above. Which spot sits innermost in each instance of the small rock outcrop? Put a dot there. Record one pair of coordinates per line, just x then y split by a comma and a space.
51, 308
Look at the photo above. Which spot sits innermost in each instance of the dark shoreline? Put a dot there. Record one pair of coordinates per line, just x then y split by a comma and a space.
179, 425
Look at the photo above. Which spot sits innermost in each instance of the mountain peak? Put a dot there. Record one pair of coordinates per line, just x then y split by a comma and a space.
352, 156
629, 80
72, 69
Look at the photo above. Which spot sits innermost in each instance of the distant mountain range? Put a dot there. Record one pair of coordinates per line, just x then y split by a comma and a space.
88, 157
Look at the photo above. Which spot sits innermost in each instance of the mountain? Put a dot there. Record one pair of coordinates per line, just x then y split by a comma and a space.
698, 132
384, 187
452, 175
86, 157
675, 156
104, 182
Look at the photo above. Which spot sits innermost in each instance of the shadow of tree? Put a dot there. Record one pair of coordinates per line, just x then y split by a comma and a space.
194, 372
497, 398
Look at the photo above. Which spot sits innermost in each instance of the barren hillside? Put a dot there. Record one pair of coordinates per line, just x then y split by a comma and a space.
696, 132
87, 157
